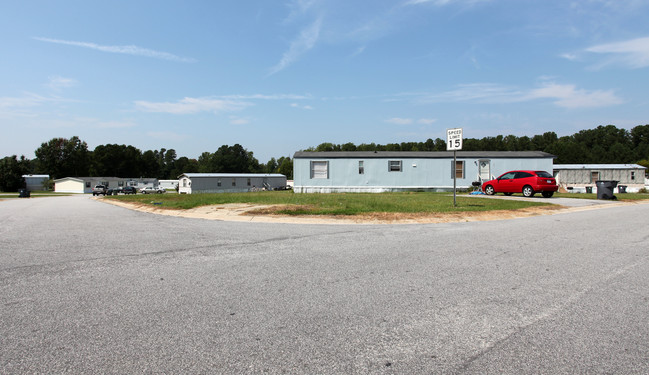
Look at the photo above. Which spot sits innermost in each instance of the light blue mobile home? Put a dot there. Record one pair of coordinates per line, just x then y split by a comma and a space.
326, 172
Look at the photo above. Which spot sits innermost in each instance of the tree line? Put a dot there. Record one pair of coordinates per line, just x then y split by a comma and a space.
602, 145
62, 157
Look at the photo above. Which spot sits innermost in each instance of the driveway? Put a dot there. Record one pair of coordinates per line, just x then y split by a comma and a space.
88, 287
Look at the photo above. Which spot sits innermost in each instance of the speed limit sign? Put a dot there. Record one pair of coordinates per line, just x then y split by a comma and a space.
453, 139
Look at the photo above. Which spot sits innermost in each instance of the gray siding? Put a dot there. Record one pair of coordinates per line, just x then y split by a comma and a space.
194, 183
583, 176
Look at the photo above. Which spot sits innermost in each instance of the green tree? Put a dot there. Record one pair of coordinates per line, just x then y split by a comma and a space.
205, 163
285, 167
11, 173
116, 161
233, 159
150, 164
184, 165
61, 157
271, 166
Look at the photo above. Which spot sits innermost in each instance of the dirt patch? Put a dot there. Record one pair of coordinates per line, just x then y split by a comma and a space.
266, 213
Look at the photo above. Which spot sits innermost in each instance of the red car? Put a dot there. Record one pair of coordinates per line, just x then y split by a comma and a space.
526, 182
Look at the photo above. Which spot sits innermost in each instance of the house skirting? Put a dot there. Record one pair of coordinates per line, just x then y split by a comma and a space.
374, 189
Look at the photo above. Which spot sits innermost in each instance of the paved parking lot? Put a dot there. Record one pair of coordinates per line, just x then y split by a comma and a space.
88, 287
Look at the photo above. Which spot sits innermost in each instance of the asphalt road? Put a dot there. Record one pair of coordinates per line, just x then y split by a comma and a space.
87, 287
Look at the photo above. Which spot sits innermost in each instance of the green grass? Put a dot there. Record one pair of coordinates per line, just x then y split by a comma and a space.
335, 203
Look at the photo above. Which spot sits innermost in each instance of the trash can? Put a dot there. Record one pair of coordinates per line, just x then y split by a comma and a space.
621, 189
605, 189
23, 193
589, 189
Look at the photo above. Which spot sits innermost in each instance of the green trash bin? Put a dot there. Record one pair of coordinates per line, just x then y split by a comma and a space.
621, 189
589, 189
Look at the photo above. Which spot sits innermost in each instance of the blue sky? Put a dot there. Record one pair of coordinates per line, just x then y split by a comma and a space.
280, 76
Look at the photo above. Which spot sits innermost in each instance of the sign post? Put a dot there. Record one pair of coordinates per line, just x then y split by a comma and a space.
454, 143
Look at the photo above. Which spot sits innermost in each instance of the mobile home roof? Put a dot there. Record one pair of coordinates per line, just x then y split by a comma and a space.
422, 154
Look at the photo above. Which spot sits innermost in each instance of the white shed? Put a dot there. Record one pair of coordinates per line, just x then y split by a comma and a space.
229, 182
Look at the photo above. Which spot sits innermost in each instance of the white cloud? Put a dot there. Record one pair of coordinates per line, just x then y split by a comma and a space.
633, 53
192, 106
399, 121
167, 136
568, 96
444, 2
58, 83
267, 97
570, 56
127, 50
409, 121
19, 105
296, 105
564, 95
303, 43
115, 124
234, 120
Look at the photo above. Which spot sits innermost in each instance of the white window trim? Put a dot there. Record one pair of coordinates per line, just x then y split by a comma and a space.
326, 169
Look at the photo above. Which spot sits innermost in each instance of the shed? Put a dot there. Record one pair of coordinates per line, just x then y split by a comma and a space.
382, 171
35, 181
190, 183
578, 177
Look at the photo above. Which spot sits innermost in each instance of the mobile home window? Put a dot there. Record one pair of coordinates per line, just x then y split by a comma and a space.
234, 182
594, 176
394, 165
457, 169
361, 167
248, 182
320, 169
87, 184
218, 182
632, 175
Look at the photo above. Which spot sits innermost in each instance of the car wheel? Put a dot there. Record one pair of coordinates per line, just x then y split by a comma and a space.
508, 194
547, 194
489, 190
528, 191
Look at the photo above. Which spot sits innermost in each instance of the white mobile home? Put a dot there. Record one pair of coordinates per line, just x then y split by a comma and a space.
579, 177
381, 171
192, 183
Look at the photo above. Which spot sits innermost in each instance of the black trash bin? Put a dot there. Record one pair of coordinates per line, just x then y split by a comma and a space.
605, 189
23, 193
621, 189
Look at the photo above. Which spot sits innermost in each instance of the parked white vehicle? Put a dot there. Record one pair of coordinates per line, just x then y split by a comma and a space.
152, 190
